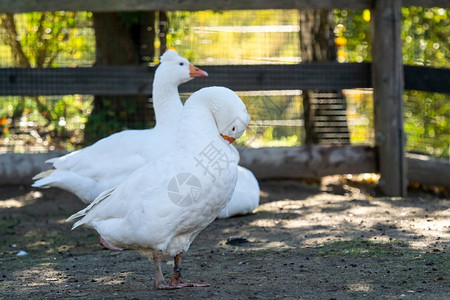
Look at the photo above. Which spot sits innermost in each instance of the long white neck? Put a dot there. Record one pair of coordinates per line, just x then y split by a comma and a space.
166, 103
198, 125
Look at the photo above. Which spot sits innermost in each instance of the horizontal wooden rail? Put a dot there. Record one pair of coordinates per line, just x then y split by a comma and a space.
318, 161
19, 6
136, 80
132, 80
427, 79
269, 163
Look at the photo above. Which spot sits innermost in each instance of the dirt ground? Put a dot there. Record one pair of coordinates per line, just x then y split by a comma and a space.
337, 240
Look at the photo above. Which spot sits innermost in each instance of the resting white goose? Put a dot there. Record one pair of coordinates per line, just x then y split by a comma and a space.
162, 207
103, 165
245, 197
89, 171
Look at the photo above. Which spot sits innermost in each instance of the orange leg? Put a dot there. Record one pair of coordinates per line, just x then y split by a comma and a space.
176, 278
176, 282
159, 278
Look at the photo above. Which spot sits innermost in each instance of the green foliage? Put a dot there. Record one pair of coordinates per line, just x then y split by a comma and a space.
116, 113
426, 36
275, 120
58, 124
179, 27
427, 123
425, 41
264, 137
352, 35
360, 115
44, 40
231, 37
102, 124
67, 39
46, 36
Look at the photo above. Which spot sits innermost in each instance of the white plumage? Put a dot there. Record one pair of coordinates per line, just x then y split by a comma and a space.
245, 197
142, 214
89, 171
105, 164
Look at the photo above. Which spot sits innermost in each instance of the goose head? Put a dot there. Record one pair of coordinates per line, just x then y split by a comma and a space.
228, 110
176, 70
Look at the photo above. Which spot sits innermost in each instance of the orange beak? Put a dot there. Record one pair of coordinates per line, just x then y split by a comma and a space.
196, 72
227, 138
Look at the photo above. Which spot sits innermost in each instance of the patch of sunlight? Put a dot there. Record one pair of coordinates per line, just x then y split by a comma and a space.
267, 142
270, 93
264, 244
432, 224
11, 203
358, 92
50, 275
266, 223
248, 28
305, 225
367, 177
108, 280
359, 287
115, 280
33, 233
60, 249
38, 244
361, 210
27, 200
295, 122
62, 221
277, 245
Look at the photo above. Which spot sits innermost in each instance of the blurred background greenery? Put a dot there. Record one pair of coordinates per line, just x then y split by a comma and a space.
67, 39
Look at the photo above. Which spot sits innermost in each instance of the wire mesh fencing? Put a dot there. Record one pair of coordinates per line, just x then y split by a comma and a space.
246, 38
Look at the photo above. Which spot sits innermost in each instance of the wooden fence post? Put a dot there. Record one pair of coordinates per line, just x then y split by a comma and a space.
388, 84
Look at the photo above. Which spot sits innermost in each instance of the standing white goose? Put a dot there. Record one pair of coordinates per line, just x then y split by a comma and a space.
161, 208
89, 171
103, 165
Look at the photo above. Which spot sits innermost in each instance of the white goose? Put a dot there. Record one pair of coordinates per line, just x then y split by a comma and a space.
161, 208
89, 171
103, 165
245, 197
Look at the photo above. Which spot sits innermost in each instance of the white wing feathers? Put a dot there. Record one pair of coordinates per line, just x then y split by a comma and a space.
84, 211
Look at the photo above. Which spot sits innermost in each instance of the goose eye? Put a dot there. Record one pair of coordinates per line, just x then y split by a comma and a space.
233, 129
181, 64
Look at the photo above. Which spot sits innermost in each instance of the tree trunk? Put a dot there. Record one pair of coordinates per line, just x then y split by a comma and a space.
316, 45
121, 39
13, 40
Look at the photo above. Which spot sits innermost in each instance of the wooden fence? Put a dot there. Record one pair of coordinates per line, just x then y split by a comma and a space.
137, 80
386, 74
18, 6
